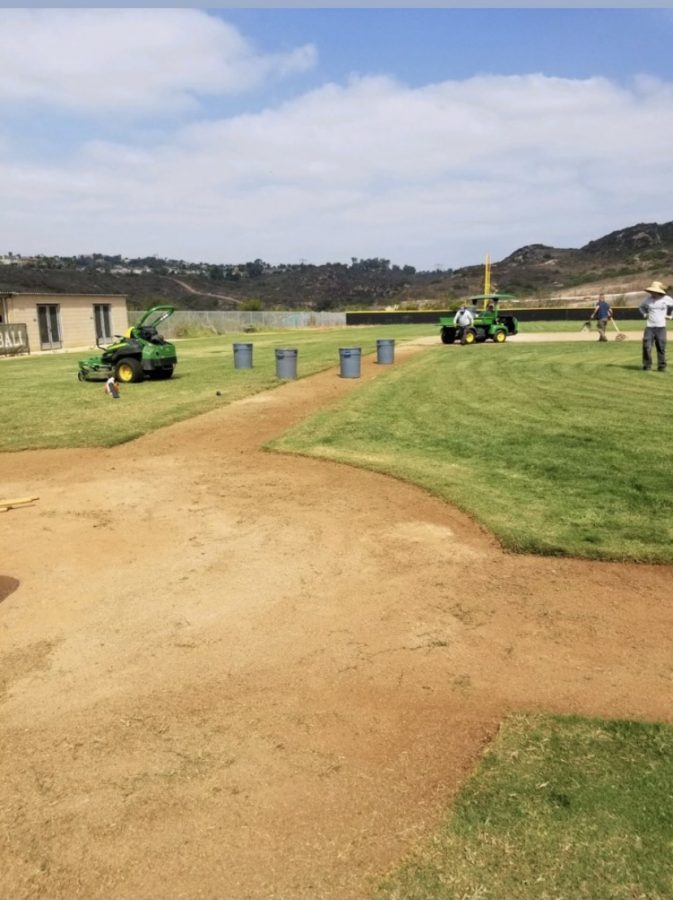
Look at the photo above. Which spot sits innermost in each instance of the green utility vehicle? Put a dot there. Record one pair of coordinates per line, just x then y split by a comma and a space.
140, 352
489, 323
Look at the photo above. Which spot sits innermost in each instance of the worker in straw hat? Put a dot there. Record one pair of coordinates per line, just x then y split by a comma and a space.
655, 308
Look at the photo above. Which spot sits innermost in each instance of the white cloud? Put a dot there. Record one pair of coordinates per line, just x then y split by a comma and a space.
129, 60
443, 173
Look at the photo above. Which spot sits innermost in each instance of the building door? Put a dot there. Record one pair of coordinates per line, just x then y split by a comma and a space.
103, 321
48, 320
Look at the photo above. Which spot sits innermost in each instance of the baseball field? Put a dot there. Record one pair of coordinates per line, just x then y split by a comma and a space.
402, 635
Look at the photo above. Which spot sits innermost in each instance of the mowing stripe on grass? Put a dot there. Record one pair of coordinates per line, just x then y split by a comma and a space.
557, 448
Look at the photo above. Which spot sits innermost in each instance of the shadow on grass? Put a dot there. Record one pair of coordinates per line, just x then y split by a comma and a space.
632, 367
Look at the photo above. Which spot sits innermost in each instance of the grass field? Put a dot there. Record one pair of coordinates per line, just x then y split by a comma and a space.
558, 448
629, 325
560, 808
48, 408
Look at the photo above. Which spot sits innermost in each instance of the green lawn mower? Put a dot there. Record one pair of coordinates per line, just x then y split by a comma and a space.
488, 324
141, 352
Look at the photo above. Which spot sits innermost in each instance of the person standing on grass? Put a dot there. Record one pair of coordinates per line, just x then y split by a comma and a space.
655, 309
602, 313
463, 319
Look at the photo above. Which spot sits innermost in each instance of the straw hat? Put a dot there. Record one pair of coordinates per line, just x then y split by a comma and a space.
656, 288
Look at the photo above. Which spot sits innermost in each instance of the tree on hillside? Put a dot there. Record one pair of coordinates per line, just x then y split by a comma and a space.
256, 268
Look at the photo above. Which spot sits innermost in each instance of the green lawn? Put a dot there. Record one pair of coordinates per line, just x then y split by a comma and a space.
557, 448
560, 809
45, 406
629, 325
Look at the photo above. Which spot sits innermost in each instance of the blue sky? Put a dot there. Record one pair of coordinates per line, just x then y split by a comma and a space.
429, 45
425, 136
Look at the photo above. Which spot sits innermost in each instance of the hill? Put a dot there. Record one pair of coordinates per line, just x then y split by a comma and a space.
616, 263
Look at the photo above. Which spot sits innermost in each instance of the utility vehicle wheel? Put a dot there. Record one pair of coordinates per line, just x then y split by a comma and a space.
80, 375
499, 337
448, 335
470, 337
162, 374
128, 370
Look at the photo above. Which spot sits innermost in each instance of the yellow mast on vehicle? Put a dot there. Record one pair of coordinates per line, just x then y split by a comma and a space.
487, 279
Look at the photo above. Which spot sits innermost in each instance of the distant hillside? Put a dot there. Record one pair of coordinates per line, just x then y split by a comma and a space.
621, 261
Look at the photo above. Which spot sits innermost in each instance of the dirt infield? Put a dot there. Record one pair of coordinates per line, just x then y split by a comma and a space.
233, 674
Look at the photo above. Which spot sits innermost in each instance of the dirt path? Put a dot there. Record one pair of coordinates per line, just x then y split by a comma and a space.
192, 290
233, 674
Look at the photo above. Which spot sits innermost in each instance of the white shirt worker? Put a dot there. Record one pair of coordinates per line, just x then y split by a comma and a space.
657, 310
463, 317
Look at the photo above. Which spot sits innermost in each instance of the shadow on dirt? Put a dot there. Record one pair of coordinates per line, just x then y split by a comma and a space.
7, 586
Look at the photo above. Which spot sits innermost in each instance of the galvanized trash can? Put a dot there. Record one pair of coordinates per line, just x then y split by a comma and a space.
349, 358
385, 352
243, 356
286, 362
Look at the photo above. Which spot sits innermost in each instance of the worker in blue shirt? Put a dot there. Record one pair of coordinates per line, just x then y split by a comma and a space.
602, 313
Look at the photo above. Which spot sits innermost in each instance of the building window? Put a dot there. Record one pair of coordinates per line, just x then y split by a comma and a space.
49, 323
103, 322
